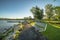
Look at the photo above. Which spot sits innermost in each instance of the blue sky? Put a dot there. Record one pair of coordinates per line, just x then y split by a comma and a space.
21, 8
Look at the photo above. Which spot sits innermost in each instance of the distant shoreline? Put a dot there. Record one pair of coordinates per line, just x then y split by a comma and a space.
14, 19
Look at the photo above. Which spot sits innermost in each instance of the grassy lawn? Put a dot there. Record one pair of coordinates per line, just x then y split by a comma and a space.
52, 33
55, 25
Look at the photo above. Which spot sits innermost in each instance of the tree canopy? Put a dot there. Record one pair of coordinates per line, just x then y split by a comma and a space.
37, 12
49, 10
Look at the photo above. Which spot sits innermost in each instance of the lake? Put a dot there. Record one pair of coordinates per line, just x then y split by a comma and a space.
6, 24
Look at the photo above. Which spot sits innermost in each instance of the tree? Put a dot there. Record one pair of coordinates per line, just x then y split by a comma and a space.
25, 18
49, 10
57, 12
30, 17
37, 12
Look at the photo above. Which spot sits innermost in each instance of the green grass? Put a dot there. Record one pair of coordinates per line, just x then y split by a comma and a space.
52, 33
58, 25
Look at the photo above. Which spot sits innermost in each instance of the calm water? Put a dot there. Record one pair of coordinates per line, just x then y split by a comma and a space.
6, 24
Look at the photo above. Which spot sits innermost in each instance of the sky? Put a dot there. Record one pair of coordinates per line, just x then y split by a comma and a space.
21, 8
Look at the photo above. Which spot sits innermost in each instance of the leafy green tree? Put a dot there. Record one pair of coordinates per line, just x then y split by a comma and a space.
37, 13
57, 12
49, 10
30, 17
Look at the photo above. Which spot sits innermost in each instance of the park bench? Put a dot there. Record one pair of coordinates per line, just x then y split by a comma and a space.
40, 26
